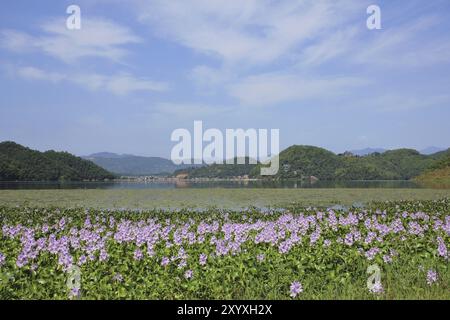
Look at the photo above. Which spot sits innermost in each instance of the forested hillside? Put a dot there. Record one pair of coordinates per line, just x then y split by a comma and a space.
20, 163
302, 162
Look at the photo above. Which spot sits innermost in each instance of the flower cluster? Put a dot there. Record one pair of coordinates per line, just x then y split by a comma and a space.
368, 235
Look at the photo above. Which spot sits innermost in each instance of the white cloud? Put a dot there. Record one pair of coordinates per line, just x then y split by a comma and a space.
401, 102
251, 31
190, 111
330, 47
274, 88
406, 45
97, 38
119, 84
32, 73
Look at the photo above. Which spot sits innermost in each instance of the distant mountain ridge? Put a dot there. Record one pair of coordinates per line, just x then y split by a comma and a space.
24, 164
106, 155
131, 165
431, 150
364, 152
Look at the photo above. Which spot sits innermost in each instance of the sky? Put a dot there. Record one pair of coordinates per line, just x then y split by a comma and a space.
137, 70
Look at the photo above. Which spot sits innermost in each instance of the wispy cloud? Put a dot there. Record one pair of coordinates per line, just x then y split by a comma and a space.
400, 102
190, 110
252, 32
329, 47
118, 84
272, 89
407, 45
97, 38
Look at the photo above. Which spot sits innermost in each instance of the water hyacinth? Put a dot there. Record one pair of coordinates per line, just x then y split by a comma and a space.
295, 289
118, 277
188, 274
138, 255
165, 261
442, 248
432, 277
377, 288
330, 243
203, 259
2, 259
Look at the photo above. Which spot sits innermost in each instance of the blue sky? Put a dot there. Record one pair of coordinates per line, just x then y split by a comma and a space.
137, 70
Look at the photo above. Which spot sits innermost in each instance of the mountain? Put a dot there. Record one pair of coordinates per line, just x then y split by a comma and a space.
367, 151
131, 165
431, 150
20, 163
106, 155
295, 162
302, 162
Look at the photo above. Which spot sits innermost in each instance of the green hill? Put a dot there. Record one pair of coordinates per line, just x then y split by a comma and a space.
302, 162
220, 171
23, 164
439, 172
400, 164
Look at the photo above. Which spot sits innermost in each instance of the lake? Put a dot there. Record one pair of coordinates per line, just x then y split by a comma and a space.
288, 184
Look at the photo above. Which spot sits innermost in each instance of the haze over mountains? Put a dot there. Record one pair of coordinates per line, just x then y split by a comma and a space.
131, 165
367, 151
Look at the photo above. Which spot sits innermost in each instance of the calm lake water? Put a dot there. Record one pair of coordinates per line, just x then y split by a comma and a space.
207, 184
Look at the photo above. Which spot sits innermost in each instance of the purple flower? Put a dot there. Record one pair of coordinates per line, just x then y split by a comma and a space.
349, 239
74, 293
442, 248
103, 255
377, 288
370, 254
327, 243
138, 255
182, 264
260, 257
431, 277
165, 261
203, 259
296, 288
2, 259
188, 274
118, 277
387, 258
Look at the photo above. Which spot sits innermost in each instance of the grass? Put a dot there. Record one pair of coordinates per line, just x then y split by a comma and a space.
203, 198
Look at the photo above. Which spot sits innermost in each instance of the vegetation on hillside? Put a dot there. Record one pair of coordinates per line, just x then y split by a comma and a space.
220, 171
302, 162
20, 163
439, 172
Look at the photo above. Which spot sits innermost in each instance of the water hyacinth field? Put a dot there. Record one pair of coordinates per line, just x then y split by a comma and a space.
385, 250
